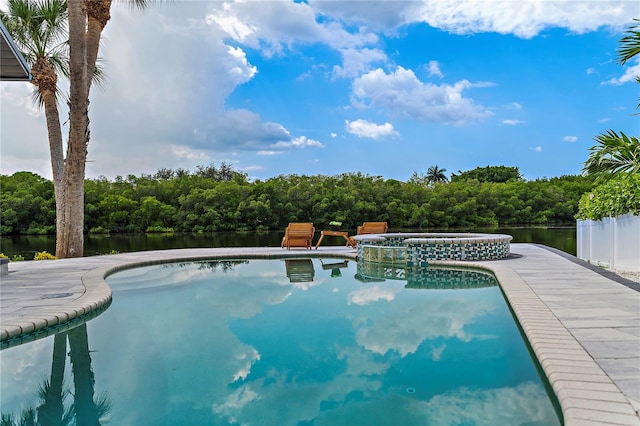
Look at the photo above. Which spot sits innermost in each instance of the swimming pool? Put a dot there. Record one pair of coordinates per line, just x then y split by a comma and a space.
288, 342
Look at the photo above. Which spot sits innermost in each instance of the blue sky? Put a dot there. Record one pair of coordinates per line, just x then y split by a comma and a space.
384, 88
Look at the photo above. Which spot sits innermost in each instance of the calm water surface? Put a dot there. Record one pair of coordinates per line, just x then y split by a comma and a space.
275, 342
561, 238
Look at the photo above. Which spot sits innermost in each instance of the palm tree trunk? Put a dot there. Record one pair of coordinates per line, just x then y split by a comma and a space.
98, 14
57, 161
72, 238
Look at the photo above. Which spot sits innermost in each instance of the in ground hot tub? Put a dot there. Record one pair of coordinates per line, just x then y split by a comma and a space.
418, 249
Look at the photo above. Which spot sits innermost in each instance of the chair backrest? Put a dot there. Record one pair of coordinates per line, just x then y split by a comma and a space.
300, 228
372, 228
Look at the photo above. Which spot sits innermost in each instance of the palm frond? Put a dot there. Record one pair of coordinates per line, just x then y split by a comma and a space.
629, 44
36, 97
614, 154
99, 77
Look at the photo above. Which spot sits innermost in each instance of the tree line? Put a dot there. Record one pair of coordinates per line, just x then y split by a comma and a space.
222, 199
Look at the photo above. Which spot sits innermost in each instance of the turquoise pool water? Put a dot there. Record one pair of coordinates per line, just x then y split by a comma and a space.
275, 342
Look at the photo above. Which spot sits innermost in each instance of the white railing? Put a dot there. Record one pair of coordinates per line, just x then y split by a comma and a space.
612, 242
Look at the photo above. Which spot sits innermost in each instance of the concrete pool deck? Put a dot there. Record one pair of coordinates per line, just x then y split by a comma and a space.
582, 323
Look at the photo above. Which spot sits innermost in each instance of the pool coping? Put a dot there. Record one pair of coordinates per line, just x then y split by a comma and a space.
565, 309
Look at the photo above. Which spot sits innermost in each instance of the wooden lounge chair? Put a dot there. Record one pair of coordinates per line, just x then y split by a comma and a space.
369, 228
298, 235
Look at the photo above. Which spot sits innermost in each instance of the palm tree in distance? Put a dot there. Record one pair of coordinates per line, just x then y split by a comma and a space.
436, 175
616, 152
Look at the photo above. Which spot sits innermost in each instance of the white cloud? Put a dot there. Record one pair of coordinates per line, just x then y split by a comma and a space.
590, 71
252, 168
283, 24
357, 61
434, 69
367, 295
525, 18
402, 93
570, 138
436, 352
238, 67
249, 355
185, 152
538, 149
299, 142
23, 132
235, 401
19, 94
231, 24
630, 74
526, 403
365, 129
512, 122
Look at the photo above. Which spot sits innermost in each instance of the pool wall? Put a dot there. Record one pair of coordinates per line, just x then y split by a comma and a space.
422, 248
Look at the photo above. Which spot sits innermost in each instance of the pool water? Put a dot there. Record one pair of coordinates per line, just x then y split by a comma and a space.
275, 342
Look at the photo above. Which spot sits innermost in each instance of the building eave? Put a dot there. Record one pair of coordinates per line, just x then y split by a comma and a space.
13, 66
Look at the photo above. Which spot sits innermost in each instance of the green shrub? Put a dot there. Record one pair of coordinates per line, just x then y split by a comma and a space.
41, 230
98, 230
17, 258
159, 230
3, 256
43, 255
613, 198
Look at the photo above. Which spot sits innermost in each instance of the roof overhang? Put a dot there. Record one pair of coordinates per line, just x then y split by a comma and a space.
13, 67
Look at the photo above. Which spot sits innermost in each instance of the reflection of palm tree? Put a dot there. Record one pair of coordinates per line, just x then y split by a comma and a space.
87, 411
52, 393
27, 418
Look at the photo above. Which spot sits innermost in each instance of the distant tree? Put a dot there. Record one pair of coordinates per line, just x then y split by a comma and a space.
495, 174
224, 173
436, 175
418, 179
163, 174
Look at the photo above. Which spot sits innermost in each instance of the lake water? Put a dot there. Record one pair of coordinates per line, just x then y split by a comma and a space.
285, 342
562, 238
